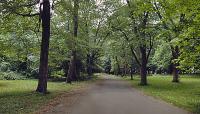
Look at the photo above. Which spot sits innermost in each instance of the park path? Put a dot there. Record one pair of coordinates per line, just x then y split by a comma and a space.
114, 96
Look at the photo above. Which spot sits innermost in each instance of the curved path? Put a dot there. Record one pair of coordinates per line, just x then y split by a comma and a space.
113, 96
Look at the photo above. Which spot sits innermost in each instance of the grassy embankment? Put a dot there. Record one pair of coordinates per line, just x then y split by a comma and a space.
185, 94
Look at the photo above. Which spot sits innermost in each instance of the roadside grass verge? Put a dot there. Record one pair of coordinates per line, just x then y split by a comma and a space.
185, 94
19, 96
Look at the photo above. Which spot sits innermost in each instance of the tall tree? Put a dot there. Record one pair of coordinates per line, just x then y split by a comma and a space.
173, 24
138, 32
72, 72
43, 69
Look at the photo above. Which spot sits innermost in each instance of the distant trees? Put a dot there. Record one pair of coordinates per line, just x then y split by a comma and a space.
161, 58
176, 17
148, 28
137, 32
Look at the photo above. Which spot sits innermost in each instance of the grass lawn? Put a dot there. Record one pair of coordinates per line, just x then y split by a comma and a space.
185, 94
18, 96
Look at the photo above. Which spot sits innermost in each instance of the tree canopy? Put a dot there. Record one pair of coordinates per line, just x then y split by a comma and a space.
80, 37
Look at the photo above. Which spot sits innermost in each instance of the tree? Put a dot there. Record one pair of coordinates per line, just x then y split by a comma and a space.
72, 72
173, 28
189, 59
161, 57
43, 70
138, 31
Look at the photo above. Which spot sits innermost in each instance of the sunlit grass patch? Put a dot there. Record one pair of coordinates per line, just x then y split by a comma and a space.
19, 96
185, 94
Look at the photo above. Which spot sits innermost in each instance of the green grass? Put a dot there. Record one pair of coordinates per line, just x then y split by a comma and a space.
19, 97
185, 94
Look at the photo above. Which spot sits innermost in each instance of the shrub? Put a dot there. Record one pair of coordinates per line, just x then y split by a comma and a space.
11, 76
4, 66
57, 74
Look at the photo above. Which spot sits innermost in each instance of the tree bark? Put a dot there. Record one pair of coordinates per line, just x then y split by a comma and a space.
144, 56
89, 65
175, 54
175, 74
132, 69
131, 73
43, 69
143, 67
72, 72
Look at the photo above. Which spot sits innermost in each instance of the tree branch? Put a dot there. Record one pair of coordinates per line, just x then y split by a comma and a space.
160, 16
131, 47
27, 15
151, 47
135, 56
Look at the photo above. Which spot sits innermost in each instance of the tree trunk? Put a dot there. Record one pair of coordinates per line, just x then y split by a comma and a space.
43, 69
175, 74
143, 67
72, 72
131, 73
132, 69
175, 54
125, 70
89, 64
118, 66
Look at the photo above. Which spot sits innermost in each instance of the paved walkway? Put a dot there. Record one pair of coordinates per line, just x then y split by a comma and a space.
113, 96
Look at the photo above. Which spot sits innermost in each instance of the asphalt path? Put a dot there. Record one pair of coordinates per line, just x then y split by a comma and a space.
115, 96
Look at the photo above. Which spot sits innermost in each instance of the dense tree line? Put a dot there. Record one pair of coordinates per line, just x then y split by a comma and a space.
154, 33
72, 39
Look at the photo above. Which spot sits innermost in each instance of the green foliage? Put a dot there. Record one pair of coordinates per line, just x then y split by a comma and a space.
57, 74
189, 40
9, 75
106, 28
4, 66
162, 56
182, 21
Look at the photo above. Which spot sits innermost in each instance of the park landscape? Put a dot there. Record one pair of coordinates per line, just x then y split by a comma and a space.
99, 56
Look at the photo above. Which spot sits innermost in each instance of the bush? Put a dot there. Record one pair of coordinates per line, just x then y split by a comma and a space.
4, 66
34, 73
57, 74
11, 76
